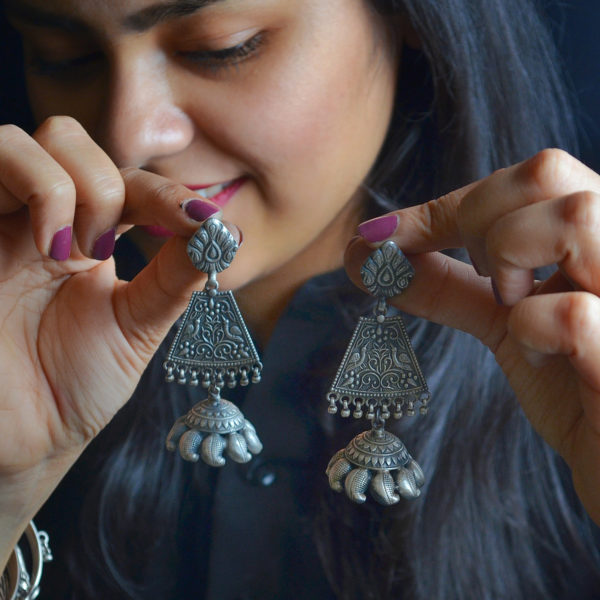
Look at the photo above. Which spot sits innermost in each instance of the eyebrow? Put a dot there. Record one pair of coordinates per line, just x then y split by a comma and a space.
138, 22
158, 13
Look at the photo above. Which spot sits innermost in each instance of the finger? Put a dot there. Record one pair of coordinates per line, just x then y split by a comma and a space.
147, 307
30, 176
154, 200
444, 290
100, 191
549, 174
562, 324
463, 217
422, 228
8, 202
564, 231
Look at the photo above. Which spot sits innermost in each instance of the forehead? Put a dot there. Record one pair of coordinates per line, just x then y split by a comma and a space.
132, 15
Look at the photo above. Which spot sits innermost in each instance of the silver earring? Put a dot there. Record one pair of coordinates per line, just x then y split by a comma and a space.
379, 376
213, 348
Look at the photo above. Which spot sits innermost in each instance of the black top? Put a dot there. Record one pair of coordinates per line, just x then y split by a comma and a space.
254, 537
248, 531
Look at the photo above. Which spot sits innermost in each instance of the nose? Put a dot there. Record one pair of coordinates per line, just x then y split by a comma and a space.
141, 120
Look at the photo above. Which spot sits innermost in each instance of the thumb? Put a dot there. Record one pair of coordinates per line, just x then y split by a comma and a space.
147, 307
444, 290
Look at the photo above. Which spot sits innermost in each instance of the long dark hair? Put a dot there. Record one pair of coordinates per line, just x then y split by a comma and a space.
498, 518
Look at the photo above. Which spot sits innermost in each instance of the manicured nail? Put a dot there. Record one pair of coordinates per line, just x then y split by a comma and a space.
379, 229
497, 295
199, 210
60, 248
104, 245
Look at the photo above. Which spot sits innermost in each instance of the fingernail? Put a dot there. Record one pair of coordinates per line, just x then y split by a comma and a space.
60, 248
497, 295
104, 245
199, 210
379, 229
235, 231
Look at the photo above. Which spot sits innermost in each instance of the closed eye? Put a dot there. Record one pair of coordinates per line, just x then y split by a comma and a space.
215, 60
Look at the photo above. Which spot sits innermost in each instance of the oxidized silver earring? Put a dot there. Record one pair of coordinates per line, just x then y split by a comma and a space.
213, 347
379, 374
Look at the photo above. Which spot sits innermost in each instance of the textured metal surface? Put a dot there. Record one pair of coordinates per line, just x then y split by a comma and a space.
213, 344
379, 375
378, 450
213, 347
212, 247
387, 272
221, 417
17, 583
213, 428
378, 462
378, 368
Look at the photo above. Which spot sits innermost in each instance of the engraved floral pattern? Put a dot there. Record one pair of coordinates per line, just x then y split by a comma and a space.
387, 271
379, 363
212, 247
213, 335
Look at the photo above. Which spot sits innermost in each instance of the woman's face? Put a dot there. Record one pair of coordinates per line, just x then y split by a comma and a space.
286, 102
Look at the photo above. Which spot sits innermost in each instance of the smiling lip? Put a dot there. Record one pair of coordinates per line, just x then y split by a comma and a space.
223, 195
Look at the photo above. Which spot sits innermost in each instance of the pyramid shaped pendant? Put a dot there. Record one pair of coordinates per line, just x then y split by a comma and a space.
213, 343
379, 367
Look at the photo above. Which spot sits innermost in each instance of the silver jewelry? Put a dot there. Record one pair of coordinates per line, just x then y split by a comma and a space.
379, 376
16, 583
213, 347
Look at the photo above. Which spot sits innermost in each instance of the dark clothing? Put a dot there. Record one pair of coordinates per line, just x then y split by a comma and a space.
254, 539
249, 531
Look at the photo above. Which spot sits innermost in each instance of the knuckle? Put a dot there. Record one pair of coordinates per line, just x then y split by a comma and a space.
169, 193
11, 133
438, 215
61, 191
111, 188
578, 314
58, 127
582, 210
548, 170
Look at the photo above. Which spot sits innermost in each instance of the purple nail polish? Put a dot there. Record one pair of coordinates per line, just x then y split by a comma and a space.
379, 229
199, 210
497, 295
60, 248
104, 245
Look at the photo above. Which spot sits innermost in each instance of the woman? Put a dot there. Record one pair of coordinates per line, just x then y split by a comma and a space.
300, 120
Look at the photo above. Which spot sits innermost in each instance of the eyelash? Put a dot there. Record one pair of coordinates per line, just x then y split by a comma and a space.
211, 60
217, 60
69, 68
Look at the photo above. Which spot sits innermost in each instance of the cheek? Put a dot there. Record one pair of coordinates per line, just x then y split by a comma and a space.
299, 125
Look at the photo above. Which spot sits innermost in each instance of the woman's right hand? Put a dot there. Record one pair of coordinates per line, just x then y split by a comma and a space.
74, 340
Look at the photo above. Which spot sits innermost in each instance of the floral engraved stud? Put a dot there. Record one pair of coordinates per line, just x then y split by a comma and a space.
387, 271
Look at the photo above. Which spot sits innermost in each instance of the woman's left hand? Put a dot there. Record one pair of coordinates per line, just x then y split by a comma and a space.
544, 335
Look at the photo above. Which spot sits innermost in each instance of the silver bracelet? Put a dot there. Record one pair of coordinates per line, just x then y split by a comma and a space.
16, 583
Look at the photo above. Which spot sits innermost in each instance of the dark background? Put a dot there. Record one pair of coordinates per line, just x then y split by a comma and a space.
575, 23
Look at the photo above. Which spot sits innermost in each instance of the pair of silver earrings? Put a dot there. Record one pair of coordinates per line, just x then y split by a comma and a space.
379, 376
